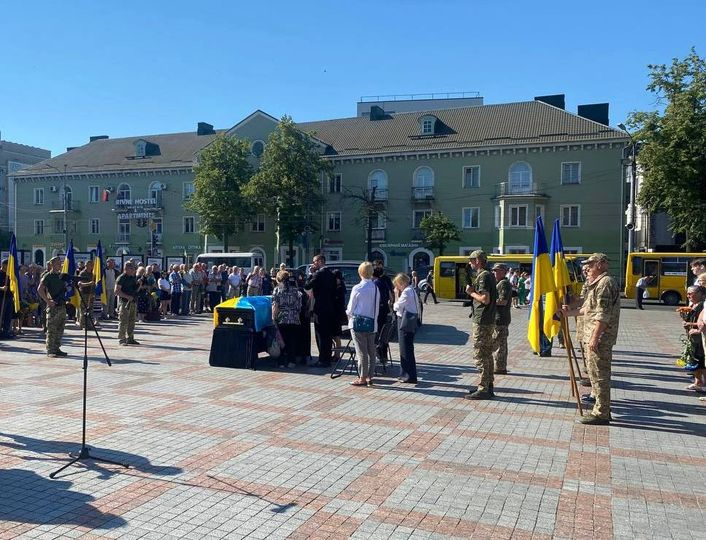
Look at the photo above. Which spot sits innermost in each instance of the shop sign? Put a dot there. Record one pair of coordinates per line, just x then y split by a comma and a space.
401, 245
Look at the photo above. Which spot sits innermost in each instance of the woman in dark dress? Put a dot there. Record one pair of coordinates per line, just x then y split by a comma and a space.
339, 299
143, 294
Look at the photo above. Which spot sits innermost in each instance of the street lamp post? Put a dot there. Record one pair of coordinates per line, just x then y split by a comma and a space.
63, 203
630, 224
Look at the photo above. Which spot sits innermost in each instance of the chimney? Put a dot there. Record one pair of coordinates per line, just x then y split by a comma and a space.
376, 113
204, 129
69, 148
97, 138
555, 100
598, 112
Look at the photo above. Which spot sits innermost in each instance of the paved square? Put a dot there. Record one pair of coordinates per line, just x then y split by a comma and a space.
220, 453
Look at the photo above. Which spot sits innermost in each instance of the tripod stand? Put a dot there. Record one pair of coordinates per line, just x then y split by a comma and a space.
84, 452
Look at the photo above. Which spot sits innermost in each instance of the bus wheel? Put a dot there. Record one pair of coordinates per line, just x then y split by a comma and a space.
671, 298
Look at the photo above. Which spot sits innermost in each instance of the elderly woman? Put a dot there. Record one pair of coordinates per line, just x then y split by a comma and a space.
406, 301
286, 308
254, 282
362, 311
696, 295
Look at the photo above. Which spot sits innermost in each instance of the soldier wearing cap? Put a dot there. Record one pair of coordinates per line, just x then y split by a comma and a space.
502, 318
52, 289
483, 292
601, 314
126, 287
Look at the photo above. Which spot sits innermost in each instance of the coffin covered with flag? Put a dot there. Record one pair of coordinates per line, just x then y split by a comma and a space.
253, 311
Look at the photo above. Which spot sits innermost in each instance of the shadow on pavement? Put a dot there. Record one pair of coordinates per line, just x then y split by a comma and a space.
657, 416
27, 497
440, 334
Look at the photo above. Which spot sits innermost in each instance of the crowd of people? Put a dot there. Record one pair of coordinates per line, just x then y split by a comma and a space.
694, 324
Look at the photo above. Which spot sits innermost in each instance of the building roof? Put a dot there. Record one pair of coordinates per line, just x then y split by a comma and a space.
508, 124
106, 155
19, 148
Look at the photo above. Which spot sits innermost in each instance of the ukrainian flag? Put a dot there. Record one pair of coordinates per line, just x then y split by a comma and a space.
561, 279
99, 276
13, 274
542, 283
69, 268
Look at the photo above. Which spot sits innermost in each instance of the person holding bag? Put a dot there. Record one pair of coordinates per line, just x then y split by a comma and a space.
362, 311
407, 310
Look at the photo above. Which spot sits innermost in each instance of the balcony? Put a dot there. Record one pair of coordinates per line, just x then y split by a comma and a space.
58, 206
378, 235
425, 193
380, 194
520, 189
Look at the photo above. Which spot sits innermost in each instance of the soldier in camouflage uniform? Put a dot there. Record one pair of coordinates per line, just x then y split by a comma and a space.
601, 312
52, 290
483, 292
87, 290
126, 288
502, 318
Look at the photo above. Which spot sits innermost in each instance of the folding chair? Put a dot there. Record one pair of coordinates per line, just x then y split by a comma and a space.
346, 357
383, 342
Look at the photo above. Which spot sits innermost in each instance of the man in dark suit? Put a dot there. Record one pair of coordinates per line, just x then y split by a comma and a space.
322, 284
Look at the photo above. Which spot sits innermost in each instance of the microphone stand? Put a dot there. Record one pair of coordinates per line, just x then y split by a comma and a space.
84, 452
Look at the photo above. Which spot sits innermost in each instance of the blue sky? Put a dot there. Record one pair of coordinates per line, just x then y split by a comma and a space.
78, 68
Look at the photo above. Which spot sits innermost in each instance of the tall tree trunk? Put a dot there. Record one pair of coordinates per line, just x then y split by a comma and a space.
225, 241
290, 250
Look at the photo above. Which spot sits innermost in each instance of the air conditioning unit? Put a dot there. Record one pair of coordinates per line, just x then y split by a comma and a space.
53, 189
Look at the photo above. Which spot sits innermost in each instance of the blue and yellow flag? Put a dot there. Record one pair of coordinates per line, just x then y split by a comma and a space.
13, 274
69, 268
542, 283
561, 280
99, 276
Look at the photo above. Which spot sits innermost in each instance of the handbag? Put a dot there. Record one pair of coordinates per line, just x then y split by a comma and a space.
646, 294
409, 322
361, 323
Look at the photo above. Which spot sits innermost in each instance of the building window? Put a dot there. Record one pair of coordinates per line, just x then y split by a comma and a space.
378, 220
257, 149
155, 190
496, 216
520, 178
518, 215
334, 183
38, 196
538, 211
571, 172
58, 225
140, 149
333, 221
378, 179
427, 124
93, 194
465, 251
471, 218
258, 257
188, 225
124, 193
471, 177
515, 250
423, 183
124, 230
333, 254
94, 226
39, 227
187, 190
570, 215
418, 216
258, 224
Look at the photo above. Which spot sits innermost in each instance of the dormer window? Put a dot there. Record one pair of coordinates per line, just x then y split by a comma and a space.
140, 148
427, 124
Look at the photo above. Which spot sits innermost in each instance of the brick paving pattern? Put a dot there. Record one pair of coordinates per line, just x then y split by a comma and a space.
222, 453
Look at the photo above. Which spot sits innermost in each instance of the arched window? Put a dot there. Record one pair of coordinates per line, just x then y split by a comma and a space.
423, 183
427, 124
378, 254
154, 190
378, 179
257, 148
124, 192
520, 177
258, 257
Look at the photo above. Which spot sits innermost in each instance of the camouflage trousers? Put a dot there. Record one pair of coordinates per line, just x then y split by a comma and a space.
599, 367
483, 354
127, 313
500, 346
86, 306
56, 319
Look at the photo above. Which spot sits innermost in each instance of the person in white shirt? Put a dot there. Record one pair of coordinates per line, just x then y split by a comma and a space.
406, 301
364, 302
234, 282
640, 288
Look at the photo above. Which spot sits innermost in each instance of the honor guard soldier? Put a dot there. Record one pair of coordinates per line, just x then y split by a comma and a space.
52, 289
502, 318
126, 287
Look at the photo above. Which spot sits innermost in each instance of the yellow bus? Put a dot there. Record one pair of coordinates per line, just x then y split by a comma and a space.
672, 273
450, 272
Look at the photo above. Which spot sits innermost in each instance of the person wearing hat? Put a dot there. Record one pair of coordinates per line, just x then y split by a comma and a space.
126, 288
52, 289
483, 292
502, 318
601, 312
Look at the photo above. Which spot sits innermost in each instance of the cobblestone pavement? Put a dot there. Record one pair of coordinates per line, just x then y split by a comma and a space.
222, 453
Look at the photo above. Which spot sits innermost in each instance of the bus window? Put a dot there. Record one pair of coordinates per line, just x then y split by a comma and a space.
637, 266
675, 266
652, 269
447, 269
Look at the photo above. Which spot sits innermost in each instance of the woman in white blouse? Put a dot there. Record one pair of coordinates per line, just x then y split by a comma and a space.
406, 301
364, 302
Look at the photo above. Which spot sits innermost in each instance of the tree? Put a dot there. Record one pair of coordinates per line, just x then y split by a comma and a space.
672, 153
438, 231
370, 206
288, 184
222, 172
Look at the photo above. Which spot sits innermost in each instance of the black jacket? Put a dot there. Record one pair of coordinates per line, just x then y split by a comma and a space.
323, 285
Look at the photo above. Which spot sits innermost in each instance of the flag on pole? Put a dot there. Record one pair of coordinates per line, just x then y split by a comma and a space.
69, 268
542, 283
561, 280
99, 276
13, 274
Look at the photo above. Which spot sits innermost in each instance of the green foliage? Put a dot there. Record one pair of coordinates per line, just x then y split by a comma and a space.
438, 231
222, 172
288, 184
672, 155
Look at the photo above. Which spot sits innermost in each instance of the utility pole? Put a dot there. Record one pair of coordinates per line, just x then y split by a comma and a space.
630, 221
371, 210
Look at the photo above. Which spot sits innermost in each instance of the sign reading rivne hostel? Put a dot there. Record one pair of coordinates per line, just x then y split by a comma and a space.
136, 208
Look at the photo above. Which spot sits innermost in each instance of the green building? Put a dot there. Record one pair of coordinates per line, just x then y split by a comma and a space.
490, 168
